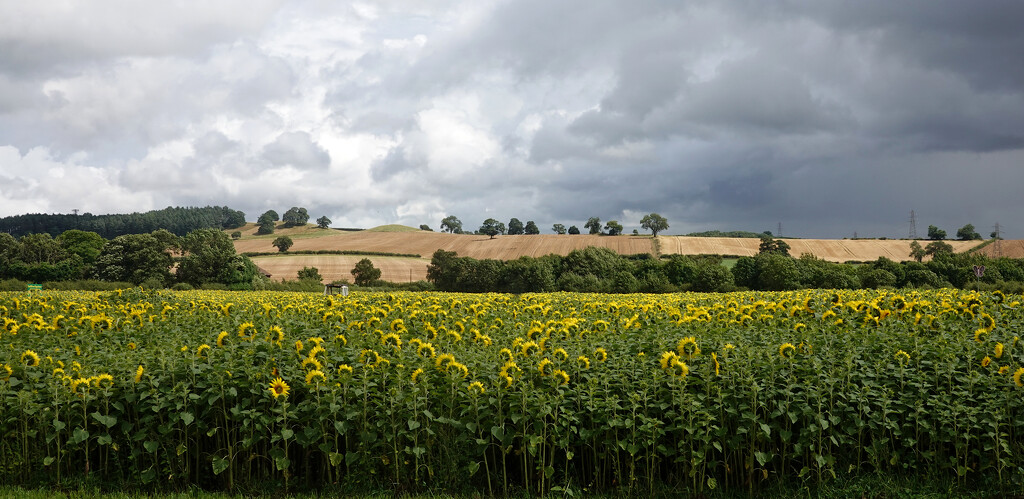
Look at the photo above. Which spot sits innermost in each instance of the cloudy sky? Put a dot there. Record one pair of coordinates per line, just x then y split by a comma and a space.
828, 117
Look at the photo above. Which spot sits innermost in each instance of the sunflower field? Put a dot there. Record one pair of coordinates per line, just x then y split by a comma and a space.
509, 393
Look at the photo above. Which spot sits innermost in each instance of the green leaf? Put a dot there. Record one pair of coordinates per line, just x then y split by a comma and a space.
187, 418
282, 463
219, 465
107, 421
287, 433
336, 458
413, 424
762, 457
151, 446
48, 460
766, 429
104, 439
79, 435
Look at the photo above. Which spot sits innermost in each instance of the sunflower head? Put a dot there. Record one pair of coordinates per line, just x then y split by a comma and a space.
688, 348
786, 350
315, 376
561, 376
1017, 377
278, 388
138, 373
476, 388
543, 365
902, 357
30, 358
221, 337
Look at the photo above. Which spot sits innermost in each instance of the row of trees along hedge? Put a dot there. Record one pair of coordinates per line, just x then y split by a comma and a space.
176, 220
601, 270
207, 258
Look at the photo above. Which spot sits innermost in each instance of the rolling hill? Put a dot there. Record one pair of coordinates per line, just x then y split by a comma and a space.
408, 240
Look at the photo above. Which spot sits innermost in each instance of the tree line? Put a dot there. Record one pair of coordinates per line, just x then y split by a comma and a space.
492, 227
201, 258
601, 270
176, 220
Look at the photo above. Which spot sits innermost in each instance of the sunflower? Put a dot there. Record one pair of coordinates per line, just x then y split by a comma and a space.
426, 350
460, 369
986, 361
980, 334
679, 368
561, 376
560, 352
131, 345
688, 347
391, 340
786, 350
246, 329
98, 380
312, 361
202, 350
342, 339
667, 358
505, 374
999, 350
344, 369
278, 387
543, 364
442, 361
7, 371
902, 357
1017, 375
476, 388
221, 337
30, 358
506, 353
138, 373
416, 374
583, 362
316, 375
601, 354
276, 334
987, 322
714, 358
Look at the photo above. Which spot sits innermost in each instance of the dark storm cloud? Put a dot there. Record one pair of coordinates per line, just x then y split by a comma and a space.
829, 117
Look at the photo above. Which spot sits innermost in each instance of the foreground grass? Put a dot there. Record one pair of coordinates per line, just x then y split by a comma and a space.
865, 486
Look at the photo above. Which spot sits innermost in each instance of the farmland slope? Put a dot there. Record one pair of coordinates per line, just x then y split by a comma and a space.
425, 243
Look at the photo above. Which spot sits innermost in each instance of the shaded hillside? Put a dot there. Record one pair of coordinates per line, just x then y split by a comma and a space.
177, 220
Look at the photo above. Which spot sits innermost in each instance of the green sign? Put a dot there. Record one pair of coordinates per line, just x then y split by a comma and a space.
35, 287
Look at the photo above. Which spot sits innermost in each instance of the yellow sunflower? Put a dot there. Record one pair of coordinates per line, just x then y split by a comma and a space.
30, 358
278, 388
1017, 375
315, 376
786, 350
138, 373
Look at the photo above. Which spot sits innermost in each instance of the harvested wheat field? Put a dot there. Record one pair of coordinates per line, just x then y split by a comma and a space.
1009, 249
426, 243
833, 250
339, 267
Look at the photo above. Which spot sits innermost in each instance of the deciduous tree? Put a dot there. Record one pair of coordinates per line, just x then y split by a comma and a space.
613, 227
282, 243
531, 228
451, 224
492, 227
364, 272
295, 216
594, 224
515, 227
323, 222
654, 223
558, 229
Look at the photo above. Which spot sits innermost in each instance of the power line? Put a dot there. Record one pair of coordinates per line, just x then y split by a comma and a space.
913, 225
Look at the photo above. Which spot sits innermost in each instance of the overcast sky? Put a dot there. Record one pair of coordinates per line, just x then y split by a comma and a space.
828, 117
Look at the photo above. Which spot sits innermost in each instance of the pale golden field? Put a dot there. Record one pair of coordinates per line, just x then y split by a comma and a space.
339, 267
407, 240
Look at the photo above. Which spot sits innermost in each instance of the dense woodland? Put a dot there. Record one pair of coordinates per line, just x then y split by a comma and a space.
176, 220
